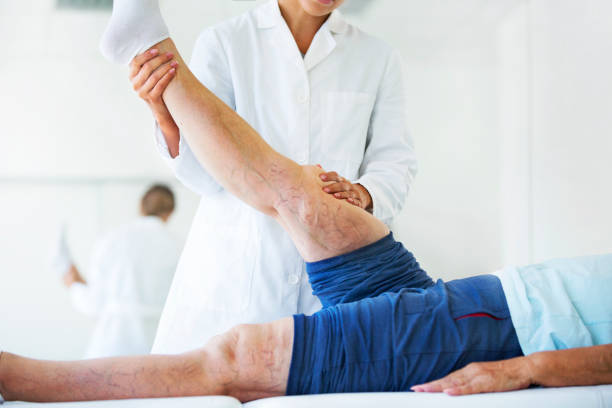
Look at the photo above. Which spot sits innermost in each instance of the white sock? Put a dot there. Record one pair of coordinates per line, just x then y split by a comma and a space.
134, 27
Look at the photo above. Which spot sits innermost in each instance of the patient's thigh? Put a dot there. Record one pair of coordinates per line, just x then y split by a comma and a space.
320, 225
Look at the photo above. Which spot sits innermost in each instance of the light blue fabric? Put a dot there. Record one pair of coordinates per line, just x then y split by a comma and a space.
559, 304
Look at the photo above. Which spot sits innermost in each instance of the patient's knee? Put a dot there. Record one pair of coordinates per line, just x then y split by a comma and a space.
256, 357
230, 356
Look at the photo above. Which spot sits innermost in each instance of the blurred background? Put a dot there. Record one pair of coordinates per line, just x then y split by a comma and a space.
510, 107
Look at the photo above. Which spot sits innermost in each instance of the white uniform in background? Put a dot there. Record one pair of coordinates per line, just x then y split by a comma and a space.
127, 284
342, 105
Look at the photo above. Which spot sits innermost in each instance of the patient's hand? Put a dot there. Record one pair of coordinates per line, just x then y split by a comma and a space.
495, 376
343, 189
561, 368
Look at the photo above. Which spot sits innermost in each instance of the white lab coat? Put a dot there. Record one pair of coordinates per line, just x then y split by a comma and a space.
128, 281
342, 105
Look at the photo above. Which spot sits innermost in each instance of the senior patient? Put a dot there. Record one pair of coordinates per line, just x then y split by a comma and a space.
386, 325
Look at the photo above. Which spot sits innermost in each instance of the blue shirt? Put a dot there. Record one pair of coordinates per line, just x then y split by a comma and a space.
562, 303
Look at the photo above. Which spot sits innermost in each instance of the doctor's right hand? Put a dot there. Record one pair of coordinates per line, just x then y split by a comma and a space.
150, 74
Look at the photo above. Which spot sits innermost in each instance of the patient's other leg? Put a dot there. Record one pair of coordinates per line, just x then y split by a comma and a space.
247, 362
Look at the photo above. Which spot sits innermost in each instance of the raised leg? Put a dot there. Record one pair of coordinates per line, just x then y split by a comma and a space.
247, 362
235, 154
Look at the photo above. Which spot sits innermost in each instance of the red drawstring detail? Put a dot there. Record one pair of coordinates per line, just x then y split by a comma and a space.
478, 315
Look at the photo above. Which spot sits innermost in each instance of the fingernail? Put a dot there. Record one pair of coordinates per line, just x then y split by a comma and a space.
319, 166
337, 195
172, 71
323, 176
174, 64
326, 190
153, 51
169, 55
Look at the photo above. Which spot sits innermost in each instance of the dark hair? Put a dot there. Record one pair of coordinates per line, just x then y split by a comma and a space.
157, 201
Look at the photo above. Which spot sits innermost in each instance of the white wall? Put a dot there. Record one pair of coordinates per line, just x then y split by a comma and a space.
556, 121
572, 127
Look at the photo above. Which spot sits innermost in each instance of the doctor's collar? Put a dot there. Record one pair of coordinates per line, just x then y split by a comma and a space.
268, 15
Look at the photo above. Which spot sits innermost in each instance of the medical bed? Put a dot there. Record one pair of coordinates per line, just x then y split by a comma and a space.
571, 397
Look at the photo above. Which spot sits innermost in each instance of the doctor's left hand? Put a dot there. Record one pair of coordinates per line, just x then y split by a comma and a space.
343, 189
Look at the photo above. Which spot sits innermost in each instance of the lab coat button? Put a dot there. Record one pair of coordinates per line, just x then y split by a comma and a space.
293, 279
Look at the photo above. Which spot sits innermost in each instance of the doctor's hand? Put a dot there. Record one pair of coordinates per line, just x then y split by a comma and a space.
150, 74
495, 376
73, 276
343, 189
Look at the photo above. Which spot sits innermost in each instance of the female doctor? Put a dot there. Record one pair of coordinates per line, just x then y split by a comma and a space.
320, 91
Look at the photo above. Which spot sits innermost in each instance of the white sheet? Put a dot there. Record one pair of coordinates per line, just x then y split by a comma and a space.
188, 402
571, 397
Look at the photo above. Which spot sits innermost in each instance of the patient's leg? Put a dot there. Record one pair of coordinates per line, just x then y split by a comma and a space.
233, 152
239, 159
247, 362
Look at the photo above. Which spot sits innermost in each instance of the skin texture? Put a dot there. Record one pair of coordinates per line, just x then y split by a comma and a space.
578, 366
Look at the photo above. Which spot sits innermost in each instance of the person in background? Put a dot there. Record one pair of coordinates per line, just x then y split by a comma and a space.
319, 91
128, 279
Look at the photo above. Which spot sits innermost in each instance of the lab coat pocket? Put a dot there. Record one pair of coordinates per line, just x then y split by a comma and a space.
345, 127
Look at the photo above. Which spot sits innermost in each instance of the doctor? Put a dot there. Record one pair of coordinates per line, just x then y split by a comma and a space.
128, 280
318, 90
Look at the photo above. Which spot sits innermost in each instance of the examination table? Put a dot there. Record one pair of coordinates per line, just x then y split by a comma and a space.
570, 397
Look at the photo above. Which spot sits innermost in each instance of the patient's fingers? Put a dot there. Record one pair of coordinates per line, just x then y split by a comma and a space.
452, 380
494, 376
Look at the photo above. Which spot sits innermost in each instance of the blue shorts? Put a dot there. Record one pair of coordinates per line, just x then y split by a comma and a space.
406, 331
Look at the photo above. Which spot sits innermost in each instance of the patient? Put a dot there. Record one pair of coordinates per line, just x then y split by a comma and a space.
385, 326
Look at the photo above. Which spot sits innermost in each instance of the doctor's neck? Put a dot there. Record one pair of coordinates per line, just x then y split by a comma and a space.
305, 17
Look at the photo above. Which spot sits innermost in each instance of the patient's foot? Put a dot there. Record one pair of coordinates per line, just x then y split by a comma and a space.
135, 26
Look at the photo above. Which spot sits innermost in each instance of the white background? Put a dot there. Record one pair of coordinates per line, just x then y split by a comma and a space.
510, 106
